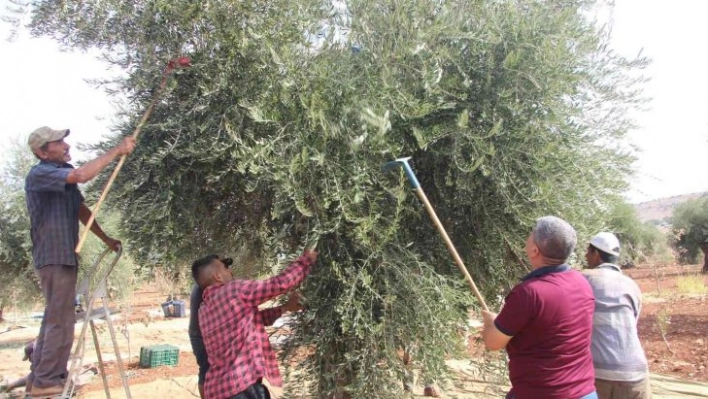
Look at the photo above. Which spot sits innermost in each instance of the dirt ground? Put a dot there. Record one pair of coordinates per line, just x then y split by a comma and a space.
683, 316
147, 326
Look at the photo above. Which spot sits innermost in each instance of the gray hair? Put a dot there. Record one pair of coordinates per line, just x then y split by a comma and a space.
554, 237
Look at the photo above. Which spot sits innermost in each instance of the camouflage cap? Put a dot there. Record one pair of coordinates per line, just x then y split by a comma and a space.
44, 135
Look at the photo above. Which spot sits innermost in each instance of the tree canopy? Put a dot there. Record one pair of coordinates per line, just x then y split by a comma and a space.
640, 241
20, 286
690, 224
510, 110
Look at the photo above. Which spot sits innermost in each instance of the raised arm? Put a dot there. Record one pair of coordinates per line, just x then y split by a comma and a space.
255, 293
270, 315
90, 169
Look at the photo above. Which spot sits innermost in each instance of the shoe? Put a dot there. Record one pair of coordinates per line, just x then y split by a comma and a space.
431, 392
49, 392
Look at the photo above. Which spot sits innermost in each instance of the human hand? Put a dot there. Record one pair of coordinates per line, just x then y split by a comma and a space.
113, 244
488, 317
293, 303
311, 255
126, 146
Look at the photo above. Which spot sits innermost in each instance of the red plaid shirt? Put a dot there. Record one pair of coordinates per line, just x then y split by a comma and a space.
234, 332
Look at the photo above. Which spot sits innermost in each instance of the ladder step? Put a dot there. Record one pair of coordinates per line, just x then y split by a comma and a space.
96, 314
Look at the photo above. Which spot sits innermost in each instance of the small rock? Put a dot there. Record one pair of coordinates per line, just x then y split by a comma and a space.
699, 341
678, 366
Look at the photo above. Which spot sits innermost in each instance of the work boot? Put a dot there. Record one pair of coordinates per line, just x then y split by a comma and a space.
47, 393
431, 392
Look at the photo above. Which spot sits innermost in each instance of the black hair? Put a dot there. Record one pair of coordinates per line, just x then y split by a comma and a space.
605, 257
199, 265
44, 147
202, 264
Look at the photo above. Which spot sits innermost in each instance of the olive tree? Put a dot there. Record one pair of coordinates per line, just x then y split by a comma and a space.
690, 225
20, 285
272, 140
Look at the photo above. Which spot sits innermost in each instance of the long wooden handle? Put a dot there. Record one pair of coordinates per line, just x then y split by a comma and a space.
181, 62
451, 247
96, 207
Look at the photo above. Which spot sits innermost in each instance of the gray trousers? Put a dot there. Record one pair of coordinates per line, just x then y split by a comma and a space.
623, 389
56, 335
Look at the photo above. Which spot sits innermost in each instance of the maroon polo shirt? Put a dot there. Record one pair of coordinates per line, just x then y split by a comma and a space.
549, 315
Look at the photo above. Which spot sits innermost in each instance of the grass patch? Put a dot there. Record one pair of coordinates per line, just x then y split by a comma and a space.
692, 284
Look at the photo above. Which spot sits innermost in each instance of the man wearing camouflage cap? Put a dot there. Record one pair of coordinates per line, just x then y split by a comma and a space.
55, 206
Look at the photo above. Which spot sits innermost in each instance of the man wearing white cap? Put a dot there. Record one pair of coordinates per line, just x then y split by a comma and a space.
55, 207
621, 369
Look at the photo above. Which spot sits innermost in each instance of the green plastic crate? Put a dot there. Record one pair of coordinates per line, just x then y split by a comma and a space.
158, 355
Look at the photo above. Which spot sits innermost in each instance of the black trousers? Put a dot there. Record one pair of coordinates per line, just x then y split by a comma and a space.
255, 391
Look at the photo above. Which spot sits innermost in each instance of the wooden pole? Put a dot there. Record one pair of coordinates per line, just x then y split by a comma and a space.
451, 247
179, 62
436, 221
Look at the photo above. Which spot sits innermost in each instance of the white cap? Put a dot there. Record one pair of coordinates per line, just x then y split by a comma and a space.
606, 242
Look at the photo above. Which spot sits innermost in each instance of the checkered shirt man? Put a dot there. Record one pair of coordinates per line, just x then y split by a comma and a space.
53, 207
233, 329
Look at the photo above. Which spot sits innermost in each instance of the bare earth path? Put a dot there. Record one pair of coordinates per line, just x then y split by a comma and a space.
682, 364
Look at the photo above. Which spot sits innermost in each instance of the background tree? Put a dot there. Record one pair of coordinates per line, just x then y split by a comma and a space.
641, 241
17, 277
690, 224
511, 110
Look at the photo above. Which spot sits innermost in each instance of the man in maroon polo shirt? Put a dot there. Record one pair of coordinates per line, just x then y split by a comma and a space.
546, 322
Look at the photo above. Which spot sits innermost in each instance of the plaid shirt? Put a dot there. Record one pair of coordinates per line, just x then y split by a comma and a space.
233, 329
53, 207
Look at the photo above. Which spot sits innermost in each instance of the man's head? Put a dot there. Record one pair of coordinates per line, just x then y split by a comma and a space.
211, 270
48, 145
603, 248
551, 242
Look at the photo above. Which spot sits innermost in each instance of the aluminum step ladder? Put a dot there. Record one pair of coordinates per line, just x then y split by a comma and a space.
89, 297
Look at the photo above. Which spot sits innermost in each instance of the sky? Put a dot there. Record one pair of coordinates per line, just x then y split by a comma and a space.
42, 85
673, 133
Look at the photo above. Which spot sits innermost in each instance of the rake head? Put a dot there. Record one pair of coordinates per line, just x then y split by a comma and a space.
403, 162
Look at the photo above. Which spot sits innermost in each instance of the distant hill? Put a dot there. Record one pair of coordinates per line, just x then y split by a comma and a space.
662, 208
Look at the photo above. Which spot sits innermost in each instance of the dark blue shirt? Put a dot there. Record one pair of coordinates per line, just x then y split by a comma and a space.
195, 301
53, 207
195, 333
546, 270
